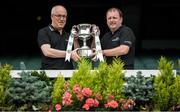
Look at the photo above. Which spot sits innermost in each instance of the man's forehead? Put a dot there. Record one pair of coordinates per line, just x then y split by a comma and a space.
61, 10
112, 11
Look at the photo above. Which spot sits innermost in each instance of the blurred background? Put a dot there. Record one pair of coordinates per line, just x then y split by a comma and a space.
154, 22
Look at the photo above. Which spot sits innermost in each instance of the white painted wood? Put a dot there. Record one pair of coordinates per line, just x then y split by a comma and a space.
68, 73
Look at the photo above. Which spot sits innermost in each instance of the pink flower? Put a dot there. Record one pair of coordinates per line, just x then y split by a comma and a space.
76, 89
58, 107
131, 102
113, 104
98, 96
80, 96
96, 103
90, 102
67, 95
87, 92
67, 102
106, 105
86, 106
67, 99
125, 106
110, 98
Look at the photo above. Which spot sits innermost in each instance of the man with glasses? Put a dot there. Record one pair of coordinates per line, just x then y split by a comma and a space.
53, 40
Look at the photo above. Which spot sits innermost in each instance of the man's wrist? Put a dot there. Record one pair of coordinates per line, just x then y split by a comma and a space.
103, 52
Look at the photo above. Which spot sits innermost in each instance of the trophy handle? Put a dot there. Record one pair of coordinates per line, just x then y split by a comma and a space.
70, 43
95, 30
74, 30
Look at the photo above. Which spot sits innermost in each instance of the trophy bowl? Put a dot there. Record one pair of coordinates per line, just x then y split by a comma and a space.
84, 32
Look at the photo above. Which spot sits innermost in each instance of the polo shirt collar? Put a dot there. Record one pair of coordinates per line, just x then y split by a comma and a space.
53, 29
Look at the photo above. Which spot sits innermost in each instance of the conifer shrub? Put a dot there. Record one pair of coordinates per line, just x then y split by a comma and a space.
141, 90
29, 93
4, 85
163, 85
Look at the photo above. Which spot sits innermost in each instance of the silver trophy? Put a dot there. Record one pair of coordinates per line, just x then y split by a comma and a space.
84, 33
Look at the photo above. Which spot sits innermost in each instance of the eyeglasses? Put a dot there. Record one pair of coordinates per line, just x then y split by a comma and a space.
60, 16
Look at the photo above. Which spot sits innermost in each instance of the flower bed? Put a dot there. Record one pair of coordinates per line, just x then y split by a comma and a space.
104, 89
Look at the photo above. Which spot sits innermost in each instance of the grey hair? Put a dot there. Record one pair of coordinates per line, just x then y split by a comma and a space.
53, 10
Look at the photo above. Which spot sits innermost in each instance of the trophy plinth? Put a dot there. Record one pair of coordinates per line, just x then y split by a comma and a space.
85, 51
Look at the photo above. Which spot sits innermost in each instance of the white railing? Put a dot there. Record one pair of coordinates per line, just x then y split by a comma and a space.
68, 73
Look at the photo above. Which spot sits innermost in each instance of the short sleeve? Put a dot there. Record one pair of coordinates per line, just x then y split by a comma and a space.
127, 37
43, 37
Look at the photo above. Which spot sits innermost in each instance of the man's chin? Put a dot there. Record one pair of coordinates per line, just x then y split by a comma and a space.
113, 28
60, 27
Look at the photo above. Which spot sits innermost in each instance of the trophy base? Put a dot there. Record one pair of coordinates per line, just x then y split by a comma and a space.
85, 52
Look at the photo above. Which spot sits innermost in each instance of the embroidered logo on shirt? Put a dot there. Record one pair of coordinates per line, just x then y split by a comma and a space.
128, 42
115, 39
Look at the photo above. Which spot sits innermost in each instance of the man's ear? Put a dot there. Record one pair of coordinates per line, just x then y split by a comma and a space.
121, 19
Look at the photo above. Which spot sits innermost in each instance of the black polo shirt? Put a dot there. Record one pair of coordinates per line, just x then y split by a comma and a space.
48, 35
123, 36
